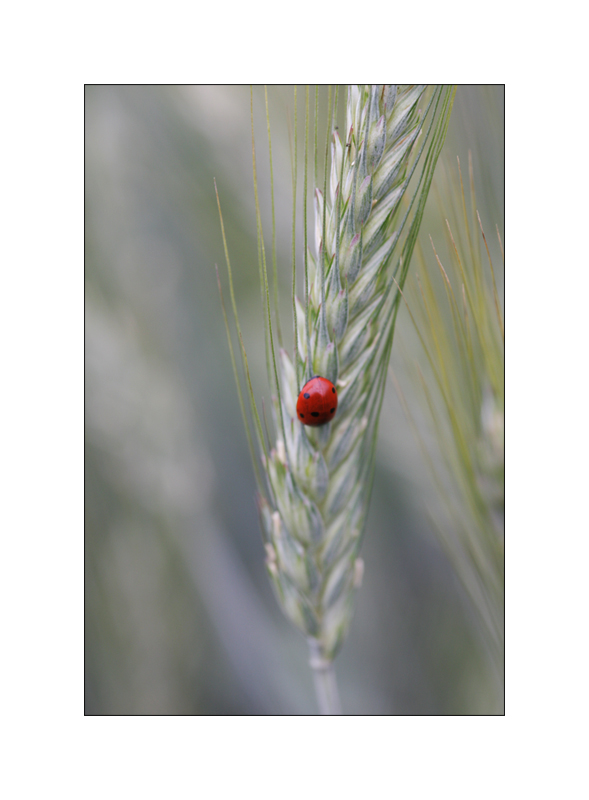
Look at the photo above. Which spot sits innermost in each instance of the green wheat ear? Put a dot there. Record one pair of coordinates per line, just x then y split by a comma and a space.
463, 340
316, 482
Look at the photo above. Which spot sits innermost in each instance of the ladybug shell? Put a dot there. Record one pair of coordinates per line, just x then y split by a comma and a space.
317, 402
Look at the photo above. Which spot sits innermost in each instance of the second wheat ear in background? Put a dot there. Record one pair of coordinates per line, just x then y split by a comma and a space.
315, 482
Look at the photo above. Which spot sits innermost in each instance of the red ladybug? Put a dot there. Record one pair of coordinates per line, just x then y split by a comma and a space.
317, 402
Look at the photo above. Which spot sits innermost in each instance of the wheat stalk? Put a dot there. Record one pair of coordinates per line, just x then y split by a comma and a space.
316, 482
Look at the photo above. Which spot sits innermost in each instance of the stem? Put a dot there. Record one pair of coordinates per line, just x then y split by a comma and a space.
325, 681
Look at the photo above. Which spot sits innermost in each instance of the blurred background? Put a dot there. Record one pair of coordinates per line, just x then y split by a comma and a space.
180, 616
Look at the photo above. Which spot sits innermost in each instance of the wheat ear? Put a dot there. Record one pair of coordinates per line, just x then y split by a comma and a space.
314, 499
463, 387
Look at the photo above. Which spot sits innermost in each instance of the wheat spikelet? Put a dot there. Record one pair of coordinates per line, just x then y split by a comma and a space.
314, 499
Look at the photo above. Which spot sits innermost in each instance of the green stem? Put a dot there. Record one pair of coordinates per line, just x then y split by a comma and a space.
325, 681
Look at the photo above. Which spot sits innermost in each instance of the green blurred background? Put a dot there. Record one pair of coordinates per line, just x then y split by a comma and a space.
180, 617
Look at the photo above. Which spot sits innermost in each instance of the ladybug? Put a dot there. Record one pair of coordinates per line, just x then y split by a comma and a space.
317, 402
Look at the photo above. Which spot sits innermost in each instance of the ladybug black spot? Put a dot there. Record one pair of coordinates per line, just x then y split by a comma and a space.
332, 410
314, 413
302, 416
306, 395
333, 390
